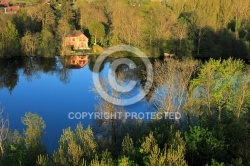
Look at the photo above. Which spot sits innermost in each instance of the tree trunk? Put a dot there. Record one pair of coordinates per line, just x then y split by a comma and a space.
199, 43
95, 40
180, 43
113, 133
219, 115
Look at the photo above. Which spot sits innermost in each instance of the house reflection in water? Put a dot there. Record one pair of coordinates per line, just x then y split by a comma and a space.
75, 61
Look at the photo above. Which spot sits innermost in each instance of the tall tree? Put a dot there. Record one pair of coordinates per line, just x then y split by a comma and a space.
90, 12
33, 137
97, 31
219, 87
9, 43
47, 44
4, 129
43, 14
172, 80
75, 147
34, 131
63, 29
29, 43
180, 30
67, 11
241, 14
126, 29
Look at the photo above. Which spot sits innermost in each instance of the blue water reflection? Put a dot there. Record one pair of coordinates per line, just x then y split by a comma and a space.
52, 93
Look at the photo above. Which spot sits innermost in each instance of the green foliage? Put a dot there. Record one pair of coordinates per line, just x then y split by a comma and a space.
176, 151
78, 147
75, 147
9, 43
97, 32
105, 160
22, 21
124, 161
181, 27
128, 148
219, 86
47, 44
66, 11
42, 160
215, 163
97, 49
148, 144
27, 149
153, 154
218, 98
29, 43
33, 137
172, 154
203, 146
236, 162
15, 149
157, 157
34, 131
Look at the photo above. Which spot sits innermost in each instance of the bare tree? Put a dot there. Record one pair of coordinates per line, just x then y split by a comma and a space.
172, 80
86, 16
241, 13
42, 13
29, 43
127, 29
180, 31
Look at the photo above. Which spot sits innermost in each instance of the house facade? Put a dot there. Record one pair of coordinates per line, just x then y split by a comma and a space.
77, 39
11, 9
4, 3
80, 61
75, 61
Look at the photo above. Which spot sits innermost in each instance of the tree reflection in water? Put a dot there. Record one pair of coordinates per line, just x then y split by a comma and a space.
31, 68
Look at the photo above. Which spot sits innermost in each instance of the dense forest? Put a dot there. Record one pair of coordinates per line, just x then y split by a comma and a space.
202, 29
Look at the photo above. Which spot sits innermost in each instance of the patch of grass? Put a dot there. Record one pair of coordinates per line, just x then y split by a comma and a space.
97, 49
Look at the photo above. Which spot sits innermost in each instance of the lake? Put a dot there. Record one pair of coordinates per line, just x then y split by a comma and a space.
54, 87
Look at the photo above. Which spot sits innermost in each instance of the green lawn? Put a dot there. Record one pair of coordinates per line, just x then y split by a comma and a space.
14, 2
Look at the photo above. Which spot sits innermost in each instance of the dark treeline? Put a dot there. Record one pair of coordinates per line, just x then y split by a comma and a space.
203, 29
11, 69
213, 99
30, 68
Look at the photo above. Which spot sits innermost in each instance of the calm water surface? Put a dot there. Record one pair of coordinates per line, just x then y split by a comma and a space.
51, 88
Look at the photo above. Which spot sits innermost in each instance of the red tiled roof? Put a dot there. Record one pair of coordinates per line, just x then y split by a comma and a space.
76, 33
